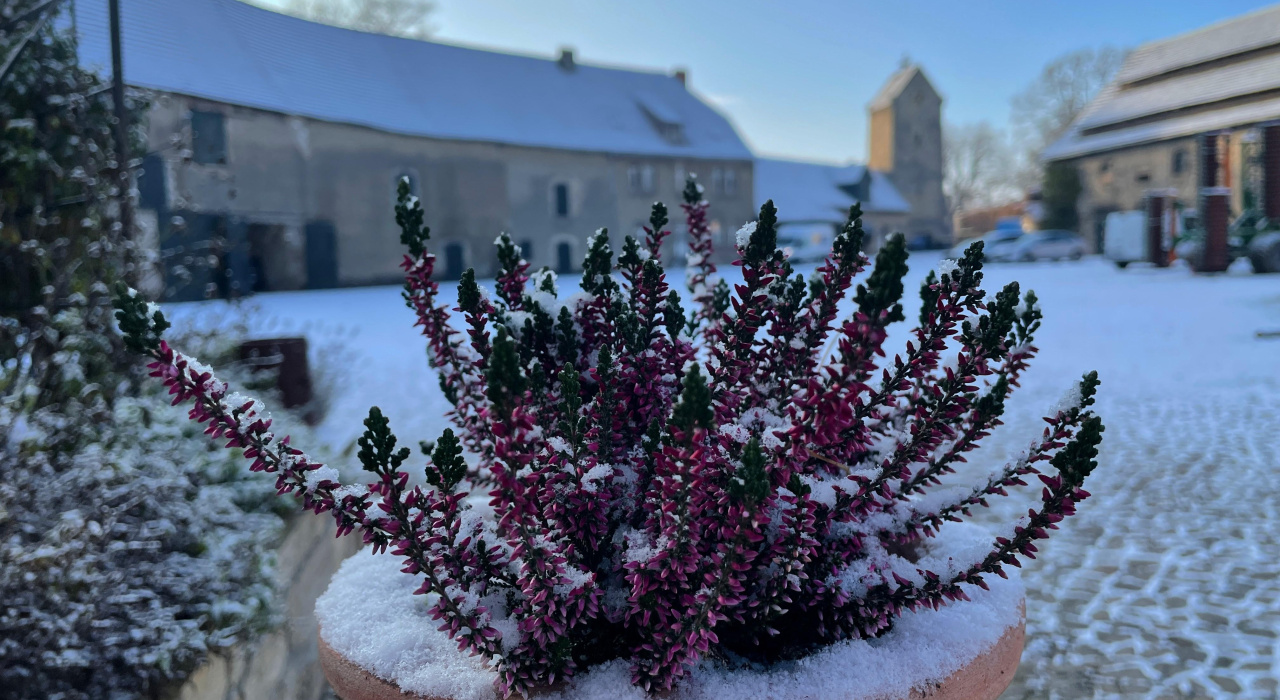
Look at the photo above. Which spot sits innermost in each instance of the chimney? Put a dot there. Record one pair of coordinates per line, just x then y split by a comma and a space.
682, 74
566, 59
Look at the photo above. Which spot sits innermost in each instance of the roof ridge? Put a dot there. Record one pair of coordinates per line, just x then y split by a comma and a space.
1252, 14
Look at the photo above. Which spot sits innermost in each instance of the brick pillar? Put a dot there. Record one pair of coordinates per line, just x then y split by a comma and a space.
1215, 212
1271, 171
1156, 203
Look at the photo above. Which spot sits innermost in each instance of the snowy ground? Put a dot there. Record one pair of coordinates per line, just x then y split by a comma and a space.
1167, 584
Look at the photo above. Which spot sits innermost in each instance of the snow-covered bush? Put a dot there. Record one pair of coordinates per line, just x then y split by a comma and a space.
747, 481
128, 551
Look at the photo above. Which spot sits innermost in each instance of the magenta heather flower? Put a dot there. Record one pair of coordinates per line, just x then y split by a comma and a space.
751, 479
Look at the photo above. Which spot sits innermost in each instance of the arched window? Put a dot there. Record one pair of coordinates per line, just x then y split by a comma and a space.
454, 260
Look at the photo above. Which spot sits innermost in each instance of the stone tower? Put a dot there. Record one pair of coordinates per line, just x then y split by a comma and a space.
906, 143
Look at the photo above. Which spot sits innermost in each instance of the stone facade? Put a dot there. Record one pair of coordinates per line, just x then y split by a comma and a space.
304, 203
285, 664
1120, 180
906, 143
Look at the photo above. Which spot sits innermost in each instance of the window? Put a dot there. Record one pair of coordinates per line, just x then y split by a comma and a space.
562, 200
681, 176
208, 138
526, 249
717, 180
1143, 177
640, 179
730, 182
1180, 161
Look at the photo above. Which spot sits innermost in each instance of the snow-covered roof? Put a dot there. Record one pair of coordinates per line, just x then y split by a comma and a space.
1232, 36
229, 51
817, 192
1224, 75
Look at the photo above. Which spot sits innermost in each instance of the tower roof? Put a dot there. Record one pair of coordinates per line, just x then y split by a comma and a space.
896, 83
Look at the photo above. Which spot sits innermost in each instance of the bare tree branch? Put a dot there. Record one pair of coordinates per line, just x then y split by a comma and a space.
1042, 111
406, 18
979, 167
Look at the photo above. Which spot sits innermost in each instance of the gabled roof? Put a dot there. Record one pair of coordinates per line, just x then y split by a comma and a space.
1222, 76
817, 192
229, 51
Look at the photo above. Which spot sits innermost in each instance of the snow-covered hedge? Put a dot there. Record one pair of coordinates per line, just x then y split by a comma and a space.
129, 550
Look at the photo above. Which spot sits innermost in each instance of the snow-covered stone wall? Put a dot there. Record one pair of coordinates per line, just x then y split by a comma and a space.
282, 665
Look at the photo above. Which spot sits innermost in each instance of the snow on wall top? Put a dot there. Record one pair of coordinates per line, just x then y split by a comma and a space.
811, 191
1163, 91
228, 51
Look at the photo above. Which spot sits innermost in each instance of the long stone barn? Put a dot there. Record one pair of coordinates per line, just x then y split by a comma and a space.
274, 146
1195, 111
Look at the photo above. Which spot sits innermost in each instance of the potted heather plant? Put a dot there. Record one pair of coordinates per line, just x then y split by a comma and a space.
734, 502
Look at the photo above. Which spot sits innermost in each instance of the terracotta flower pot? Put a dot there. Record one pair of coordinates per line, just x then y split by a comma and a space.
983, 678
377, 643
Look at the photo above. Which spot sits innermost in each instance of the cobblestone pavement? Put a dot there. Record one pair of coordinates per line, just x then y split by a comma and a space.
1167, 584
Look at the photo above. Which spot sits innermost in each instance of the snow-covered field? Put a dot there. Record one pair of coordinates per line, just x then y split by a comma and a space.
1166, 585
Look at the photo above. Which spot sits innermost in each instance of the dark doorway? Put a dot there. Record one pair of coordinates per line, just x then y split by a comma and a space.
454, 261
266, 256
564, 257
322, 255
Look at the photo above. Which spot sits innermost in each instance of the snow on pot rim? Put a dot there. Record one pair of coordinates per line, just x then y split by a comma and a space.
370, 617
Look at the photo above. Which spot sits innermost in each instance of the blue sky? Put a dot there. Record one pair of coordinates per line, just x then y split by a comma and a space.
795, 76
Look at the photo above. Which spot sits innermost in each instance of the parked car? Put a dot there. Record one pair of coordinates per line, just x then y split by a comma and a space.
994, 243
1043, 245
805, 243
